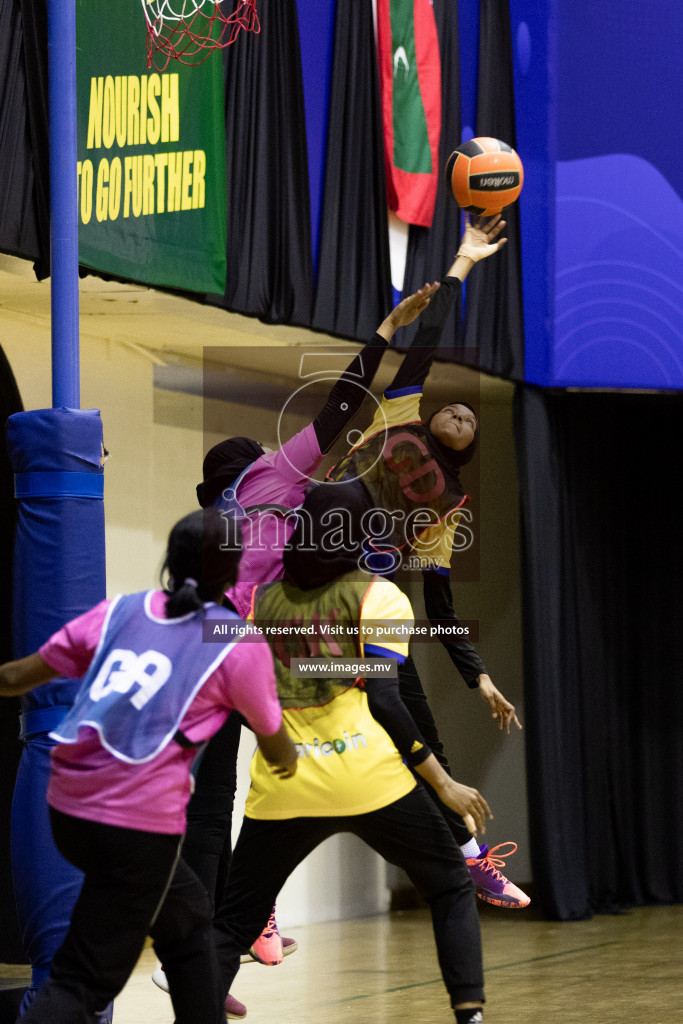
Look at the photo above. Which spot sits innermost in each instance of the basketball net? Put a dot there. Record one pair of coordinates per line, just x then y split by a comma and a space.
189, 30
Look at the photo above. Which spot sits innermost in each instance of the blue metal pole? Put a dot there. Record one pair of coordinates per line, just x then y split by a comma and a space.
61, 28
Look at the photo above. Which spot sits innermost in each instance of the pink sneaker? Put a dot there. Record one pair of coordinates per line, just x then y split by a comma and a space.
268, 947
234, 1009
492, 886
288, 946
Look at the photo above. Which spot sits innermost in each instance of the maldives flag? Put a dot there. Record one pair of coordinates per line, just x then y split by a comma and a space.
410, 85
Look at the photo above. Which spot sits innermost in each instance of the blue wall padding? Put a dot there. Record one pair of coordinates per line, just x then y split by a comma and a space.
59, 573
59, 556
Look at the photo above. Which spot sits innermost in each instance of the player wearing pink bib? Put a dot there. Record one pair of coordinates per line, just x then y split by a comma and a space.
152, 695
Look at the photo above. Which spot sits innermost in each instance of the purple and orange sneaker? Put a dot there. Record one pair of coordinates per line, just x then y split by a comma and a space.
267, 949
492, 886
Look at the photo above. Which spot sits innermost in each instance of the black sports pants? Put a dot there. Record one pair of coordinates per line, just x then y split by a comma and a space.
208, 842
127, 874
409, 832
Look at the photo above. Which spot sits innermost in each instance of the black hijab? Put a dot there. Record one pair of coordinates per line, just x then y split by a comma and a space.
447, 457
328, 511
223, 464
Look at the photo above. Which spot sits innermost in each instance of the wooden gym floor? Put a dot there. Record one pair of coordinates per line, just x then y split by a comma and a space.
610, 970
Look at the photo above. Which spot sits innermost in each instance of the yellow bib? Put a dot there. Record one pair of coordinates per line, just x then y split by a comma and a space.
347, 765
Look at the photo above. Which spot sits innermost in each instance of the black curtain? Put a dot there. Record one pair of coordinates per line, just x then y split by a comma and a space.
602, 550
494, 323
11, 950
431, 250
353, 293
24, 182
270, 264
493, 339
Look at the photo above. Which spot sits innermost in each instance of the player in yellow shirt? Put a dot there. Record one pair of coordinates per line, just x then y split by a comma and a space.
323, 622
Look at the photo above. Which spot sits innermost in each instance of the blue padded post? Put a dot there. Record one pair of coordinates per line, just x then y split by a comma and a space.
59, 573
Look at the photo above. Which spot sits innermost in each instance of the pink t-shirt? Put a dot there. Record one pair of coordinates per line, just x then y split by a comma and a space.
89, 782
277, 478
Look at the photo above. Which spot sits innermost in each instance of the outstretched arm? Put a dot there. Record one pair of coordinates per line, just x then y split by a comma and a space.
347, 395
407, 310
480, 240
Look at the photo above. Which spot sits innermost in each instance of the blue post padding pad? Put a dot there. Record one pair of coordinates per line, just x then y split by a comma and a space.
58, 485
59, 554
59, 573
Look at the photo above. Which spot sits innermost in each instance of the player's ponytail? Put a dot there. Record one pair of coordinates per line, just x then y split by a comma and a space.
183, 598
202, 559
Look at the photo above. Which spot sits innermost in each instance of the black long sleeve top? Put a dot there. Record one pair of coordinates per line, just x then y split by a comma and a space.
387, 708
438, 600
418, 359
347, 395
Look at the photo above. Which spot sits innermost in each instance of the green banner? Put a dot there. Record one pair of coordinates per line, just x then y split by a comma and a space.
151, 156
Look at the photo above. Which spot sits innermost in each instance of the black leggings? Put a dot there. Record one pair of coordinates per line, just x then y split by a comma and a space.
409, 832
415, 700
127, 876
207, 847
208, 841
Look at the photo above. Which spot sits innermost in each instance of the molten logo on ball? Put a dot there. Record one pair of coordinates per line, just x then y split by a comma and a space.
484, 175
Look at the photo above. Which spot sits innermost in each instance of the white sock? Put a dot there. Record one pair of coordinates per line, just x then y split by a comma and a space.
471, 848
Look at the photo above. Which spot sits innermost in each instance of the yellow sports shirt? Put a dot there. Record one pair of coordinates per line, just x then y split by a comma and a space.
347, 762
